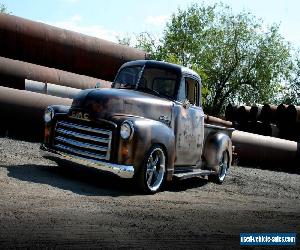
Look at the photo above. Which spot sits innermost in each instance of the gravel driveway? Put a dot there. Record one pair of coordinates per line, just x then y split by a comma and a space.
43, 205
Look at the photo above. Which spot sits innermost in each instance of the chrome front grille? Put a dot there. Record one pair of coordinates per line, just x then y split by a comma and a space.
83, 141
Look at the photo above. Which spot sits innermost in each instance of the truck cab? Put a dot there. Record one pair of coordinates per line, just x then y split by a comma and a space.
149, 126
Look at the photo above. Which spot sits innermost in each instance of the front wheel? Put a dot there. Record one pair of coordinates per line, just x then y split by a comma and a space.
223, 169
151, 175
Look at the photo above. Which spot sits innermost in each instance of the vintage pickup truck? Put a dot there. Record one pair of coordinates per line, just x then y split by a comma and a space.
149, 126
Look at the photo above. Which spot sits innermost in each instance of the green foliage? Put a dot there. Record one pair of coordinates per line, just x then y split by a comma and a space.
3, 9
238, 58
126, 40
291, 91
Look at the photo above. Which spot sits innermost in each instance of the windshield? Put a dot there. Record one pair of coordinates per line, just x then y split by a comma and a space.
157, 81
128, 77
160, 81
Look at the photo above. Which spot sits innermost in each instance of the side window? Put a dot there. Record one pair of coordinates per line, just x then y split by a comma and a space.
189, 90
192, 91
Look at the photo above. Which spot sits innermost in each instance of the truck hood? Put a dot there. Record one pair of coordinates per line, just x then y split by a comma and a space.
105, 103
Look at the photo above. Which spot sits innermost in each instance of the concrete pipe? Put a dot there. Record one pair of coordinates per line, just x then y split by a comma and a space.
266, 152
13, 74
50, 46
22, 112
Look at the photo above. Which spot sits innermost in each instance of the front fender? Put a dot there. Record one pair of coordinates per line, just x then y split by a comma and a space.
146, 134
215, 145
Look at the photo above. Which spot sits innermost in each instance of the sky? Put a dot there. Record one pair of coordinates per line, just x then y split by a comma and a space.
109, 19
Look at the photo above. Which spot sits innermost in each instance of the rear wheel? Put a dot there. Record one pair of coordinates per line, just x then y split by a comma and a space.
152, 174
223, 168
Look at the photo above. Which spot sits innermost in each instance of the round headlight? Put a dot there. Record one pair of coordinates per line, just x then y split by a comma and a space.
126, 130
49, 114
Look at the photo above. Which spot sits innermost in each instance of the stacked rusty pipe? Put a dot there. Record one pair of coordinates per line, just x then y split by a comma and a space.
291, 124
27, 45
27, 76
217, 121
42, 44
268, 120
22, 112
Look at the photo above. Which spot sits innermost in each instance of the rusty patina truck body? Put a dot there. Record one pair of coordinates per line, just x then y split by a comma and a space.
149, 125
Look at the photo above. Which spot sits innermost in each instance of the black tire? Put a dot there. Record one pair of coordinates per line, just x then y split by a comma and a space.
152, 174
223, 169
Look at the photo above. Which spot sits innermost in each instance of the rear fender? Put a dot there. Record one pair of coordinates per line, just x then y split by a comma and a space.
215, 145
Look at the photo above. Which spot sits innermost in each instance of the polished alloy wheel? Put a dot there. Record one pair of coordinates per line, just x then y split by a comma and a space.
156, 168
223, 166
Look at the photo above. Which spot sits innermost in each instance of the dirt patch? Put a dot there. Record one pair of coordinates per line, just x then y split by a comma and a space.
43, 205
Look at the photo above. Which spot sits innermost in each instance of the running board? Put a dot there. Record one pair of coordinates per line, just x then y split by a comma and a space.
191, 174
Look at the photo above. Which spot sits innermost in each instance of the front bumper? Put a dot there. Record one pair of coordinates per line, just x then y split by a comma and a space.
123, 171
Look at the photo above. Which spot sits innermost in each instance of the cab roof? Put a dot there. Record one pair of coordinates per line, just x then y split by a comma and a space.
160, 64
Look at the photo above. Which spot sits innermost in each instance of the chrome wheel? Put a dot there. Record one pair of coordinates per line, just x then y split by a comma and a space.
223, 166
156, 168
152, 173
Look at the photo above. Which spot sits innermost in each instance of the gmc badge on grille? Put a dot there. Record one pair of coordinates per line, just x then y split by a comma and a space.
80, 115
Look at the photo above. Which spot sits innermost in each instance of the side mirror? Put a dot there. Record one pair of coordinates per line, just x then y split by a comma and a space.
186, 104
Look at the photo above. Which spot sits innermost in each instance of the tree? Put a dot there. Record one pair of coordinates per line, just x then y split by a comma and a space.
237, 57
3, 9
291, 90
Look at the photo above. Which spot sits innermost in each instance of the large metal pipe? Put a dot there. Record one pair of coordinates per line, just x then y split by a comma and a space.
280, 114
281, 121
50, 46
266, 152
268, 113
231, 112
22, 112
255, 112
293, 114
217, 121
13, 74
51, 89
243, 113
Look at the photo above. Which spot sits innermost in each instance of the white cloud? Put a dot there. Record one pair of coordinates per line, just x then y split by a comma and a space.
75, 23
157, 20
76, 18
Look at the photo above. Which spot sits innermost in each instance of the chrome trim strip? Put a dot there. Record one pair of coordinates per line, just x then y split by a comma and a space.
81, 127
124, 171
109, 146
80, 144
80, 152
81, 136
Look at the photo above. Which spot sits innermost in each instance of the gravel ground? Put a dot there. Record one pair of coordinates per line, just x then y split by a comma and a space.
46, 206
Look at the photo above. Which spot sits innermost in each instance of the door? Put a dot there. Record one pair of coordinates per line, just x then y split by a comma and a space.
189, 119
